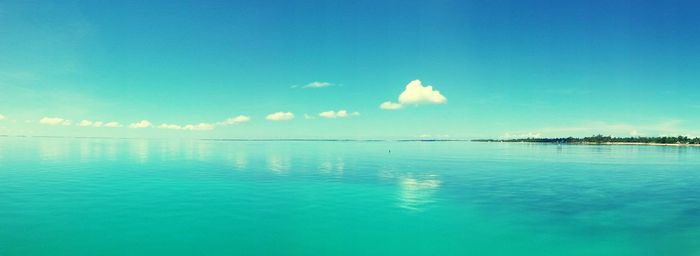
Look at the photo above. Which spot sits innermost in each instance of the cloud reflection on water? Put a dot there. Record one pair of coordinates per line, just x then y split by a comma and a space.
417, 192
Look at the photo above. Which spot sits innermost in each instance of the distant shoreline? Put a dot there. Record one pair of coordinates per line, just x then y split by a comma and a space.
680, 141
591, 143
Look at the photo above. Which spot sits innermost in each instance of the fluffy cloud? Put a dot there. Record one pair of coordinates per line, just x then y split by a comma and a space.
337, 114
317, 85
189, 127
112, 125
388, 105
280, 116
206, 126
85, 123
198, 127
416, 94
170, 126
235, 120
54, 121
2, 117
141, 124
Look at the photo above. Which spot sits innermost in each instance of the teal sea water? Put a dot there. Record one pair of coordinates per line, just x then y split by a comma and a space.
159, 197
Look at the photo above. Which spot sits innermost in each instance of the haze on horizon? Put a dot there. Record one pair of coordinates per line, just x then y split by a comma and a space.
341, 70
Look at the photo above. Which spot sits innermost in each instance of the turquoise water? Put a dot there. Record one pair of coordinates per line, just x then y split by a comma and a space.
157, 197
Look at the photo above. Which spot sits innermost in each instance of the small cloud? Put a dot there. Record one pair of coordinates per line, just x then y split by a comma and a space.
235, 120
416, 94
170, 126
388, 105
337, 114
308, 117
280, 116
54, 121
189, 127
317, 85
2, 117
85, 123
97, 124
112, 125
521, 135
198, 127
206, 126
141, 124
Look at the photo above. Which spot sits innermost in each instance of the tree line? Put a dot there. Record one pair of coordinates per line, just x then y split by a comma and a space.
601, 139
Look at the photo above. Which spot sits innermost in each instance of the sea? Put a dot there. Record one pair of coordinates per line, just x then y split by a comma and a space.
97, 196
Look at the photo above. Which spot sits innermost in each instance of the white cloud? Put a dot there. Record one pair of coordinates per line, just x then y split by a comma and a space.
328, 114
85, 123
141, 124
189, 127
317, 85
388, 105
416, 94
235, 120
668, 127
206, 126
337, 114
198, 127
2, 117
170, 126
54, 121
112, 125
522, 135
280, 116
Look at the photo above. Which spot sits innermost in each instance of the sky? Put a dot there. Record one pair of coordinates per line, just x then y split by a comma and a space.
349, 69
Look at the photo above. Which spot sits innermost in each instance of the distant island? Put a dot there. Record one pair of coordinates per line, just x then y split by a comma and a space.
600, 139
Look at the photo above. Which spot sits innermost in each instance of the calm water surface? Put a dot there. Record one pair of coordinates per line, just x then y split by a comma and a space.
158, 197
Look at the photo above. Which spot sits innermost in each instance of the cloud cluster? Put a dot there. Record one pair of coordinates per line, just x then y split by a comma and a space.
199, 127
189, 127
89, 123
415, 94
280, 116
112, 125
54, 121
337, 114
662, 128
206, 126
141, 124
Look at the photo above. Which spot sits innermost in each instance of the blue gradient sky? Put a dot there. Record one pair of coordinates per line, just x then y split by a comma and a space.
507, 68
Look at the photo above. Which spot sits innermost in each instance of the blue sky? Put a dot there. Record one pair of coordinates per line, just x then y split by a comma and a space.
504, 68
